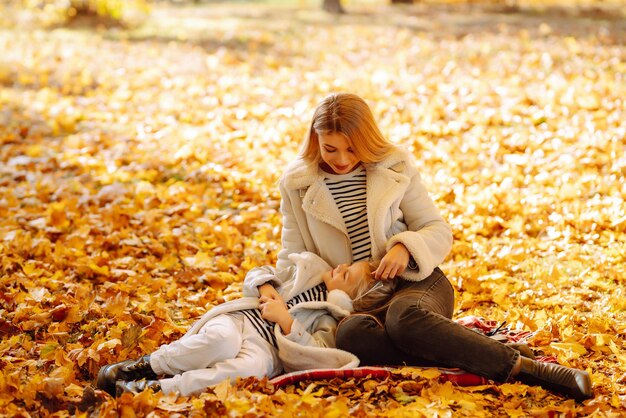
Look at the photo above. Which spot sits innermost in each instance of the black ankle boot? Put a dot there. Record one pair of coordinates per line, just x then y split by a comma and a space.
565, 380
122, 386
124, 370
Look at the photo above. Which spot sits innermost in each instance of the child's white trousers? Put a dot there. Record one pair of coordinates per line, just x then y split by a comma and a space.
226, 347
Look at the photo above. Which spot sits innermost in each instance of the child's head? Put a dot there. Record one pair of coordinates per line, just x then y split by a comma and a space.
357, 281
351, 278
348, 116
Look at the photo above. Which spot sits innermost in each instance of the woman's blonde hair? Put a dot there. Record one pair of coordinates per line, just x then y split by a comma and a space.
349, 115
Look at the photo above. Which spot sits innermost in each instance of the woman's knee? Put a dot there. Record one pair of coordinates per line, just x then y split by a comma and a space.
354, 330
403, 316
434, 294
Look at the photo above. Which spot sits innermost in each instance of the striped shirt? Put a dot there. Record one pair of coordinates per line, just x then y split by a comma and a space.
266, 328
349, 192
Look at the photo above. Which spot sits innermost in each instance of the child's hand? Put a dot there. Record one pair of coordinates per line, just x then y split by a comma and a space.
393, 263
276, 311
268, 291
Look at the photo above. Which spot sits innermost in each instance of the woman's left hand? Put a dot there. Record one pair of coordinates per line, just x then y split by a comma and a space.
393, 263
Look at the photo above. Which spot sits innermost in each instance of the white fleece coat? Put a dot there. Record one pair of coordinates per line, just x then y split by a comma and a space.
399, 210
301, 349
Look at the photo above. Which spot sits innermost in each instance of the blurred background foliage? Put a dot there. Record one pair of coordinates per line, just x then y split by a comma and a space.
128, 13
133, 13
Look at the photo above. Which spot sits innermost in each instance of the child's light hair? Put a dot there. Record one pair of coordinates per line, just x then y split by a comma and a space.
350, 116
372, 295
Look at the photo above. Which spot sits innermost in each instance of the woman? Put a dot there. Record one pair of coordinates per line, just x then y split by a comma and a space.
352, 195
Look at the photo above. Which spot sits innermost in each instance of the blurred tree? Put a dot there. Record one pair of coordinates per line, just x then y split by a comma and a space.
333, 6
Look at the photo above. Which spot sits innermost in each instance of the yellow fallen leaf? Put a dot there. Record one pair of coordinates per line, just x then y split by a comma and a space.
200, 260
74, 390
509, 389
57, 215
104, 270
570, 347
429, 373
107, 345
30, 269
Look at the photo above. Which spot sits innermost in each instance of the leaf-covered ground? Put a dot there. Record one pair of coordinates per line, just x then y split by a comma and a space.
138, 175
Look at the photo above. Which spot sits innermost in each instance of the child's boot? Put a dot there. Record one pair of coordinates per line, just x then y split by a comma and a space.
122, 386
124, 370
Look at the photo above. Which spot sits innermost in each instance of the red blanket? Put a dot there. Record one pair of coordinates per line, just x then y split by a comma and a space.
455, 376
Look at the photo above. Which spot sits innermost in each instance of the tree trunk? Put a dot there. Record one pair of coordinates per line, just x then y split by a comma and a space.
333, 6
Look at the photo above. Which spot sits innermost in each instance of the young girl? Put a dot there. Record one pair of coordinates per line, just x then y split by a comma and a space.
254, 336
352, 195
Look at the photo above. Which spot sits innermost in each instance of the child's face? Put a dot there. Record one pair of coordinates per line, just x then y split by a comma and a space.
347, 277
337, 153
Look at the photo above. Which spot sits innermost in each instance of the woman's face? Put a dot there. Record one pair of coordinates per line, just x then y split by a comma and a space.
337, 154
347, 277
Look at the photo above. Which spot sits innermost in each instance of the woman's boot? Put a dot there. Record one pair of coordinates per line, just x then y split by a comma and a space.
122, 386
565, 380
124, 370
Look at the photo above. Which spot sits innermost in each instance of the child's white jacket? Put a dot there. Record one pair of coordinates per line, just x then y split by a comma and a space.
311, 343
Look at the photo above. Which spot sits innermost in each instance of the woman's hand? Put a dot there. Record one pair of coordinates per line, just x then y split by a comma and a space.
276, 311
393, 263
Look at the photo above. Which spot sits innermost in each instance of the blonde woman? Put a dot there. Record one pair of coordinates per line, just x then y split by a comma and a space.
352, 195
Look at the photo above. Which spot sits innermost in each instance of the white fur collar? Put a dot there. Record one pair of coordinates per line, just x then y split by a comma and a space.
341, 299
310, 269
300, 174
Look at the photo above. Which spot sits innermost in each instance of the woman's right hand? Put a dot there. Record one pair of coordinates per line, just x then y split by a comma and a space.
393, 263
268, 291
